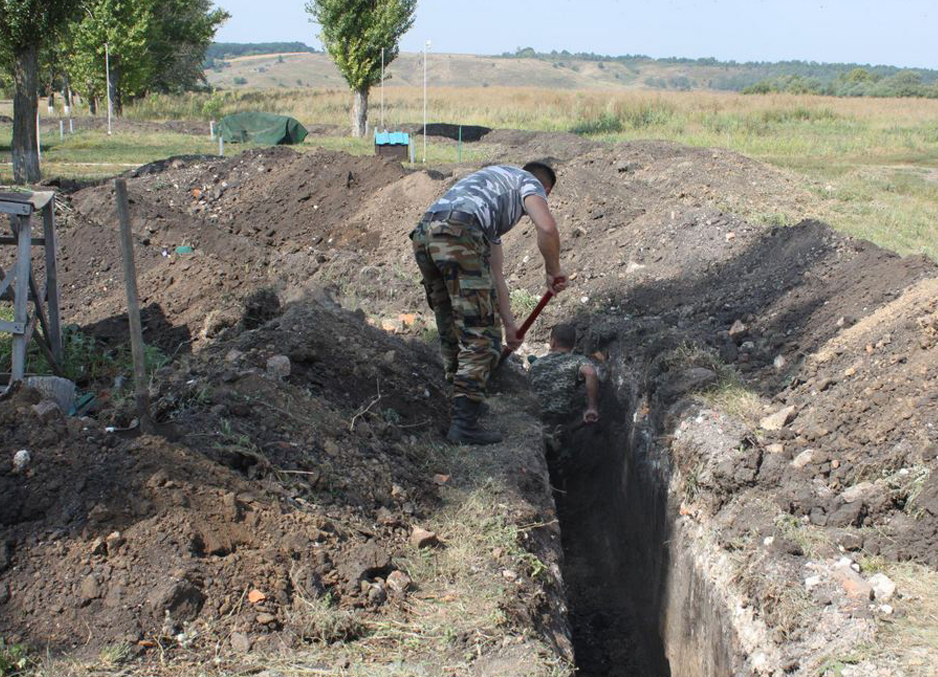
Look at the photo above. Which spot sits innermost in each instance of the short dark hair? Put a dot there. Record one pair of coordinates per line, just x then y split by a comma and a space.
564, 335
542, 171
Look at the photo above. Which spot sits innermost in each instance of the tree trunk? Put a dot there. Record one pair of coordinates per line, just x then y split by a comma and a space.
360, 112
117, 99
93, 105
25, 107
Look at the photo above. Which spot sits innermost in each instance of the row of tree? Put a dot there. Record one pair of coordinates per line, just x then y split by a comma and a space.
857, 82
766, 75
59, 45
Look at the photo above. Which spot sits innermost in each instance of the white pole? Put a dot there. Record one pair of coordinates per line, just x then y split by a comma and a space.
107, 68
38, 143
221, 145
71, 126
211, 129
426, 48
61, 129
382, 91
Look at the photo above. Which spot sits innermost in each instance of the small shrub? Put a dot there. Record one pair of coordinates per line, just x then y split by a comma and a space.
14, 659
240, 80
607, 123
211, 109
522, 302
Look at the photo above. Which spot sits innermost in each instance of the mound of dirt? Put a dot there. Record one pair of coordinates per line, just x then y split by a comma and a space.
822, 348
281, 517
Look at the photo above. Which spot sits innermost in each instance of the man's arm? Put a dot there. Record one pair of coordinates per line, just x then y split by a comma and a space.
591, 415
504, 298
548, 241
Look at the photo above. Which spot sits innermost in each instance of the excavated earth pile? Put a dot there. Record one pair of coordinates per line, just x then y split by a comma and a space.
767, 431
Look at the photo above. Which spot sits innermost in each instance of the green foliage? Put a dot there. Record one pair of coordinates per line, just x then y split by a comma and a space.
523, 302
13, 659
125, 26
181, 33
29, 23
212, 107
355, 31
85, 360
155, 45
855, 82
226, 50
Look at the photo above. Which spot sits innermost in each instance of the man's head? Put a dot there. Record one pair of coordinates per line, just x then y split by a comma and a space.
562, 338
544, 174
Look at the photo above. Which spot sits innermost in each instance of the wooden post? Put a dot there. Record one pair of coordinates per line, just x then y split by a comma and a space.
21, 298
52, 280
141, 390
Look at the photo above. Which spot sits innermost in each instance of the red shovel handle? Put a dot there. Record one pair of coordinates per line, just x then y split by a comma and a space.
548, 295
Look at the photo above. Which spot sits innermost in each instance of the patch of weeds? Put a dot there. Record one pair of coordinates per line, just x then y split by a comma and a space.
523, 302
430, 334
320, 620
85, 359
14, 659
834, 667
733, 398
391, 416
729, 394
771, 218
691, 484
606, 123
811, 539
115, 654
871, 564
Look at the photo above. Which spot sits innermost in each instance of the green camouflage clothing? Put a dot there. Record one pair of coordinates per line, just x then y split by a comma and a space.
457, 276
558, 384
494, 196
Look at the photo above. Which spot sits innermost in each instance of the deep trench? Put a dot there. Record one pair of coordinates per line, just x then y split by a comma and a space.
637, 606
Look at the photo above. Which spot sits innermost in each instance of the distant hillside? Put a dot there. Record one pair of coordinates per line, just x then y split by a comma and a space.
730, 75
297, 65
218, 51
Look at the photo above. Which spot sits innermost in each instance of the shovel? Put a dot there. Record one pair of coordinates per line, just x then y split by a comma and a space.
506, 351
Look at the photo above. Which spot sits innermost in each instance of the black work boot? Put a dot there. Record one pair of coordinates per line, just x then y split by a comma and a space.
464, 428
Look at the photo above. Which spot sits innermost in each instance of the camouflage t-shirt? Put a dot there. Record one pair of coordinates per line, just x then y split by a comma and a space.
495, 196
557, 382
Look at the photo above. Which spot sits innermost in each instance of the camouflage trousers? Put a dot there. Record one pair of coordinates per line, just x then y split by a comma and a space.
457, 276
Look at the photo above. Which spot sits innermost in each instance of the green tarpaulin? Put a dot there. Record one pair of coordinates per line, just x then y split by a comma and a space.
263, 128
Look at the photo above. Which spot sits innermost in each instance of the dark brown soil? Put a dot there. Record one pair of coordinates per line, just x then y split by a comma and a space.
662, 258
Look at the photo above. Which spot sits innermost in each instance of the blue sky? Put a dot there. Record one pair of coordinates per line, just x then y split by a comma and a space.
894, 32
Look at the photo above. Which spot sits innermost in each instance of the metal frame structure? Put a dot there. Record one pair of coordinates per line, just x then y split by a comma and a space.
19, 285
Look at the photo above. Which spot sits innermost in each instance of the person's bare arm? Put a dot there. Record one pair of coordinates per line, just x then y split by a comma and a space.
504, 297
548, 241
591, 415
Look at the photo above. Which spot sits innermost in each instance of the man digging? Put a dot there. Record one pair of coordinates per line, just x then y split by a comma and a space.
458, 248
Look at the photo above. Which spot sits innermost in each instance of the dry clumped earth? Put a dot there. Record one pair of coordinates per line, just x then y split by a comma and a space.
805, 434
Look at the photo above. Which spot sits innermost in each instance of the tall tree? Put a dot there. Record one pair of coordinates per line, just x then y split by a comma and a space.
354, 32
124, 26
181, 33
25, 25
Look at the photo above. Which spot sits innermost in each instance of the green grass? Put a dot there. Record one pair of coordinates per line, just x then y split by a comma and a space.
92, 154
14, 659
85, 360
